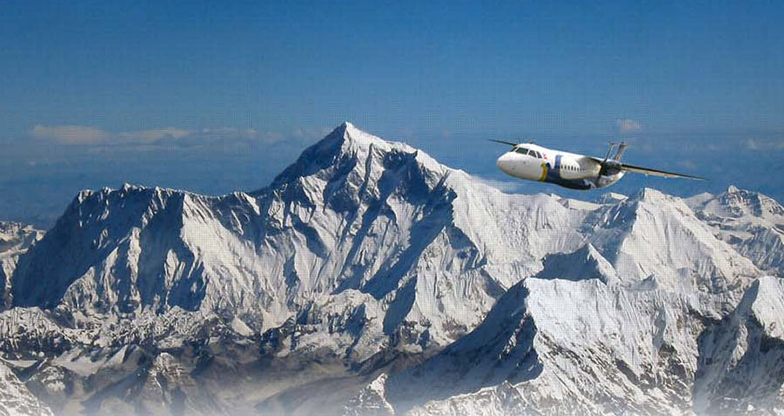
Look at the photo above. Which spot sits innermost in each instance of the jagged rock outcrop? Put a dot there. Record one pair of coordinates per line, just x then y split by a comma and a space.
16, 399
15, 239
750, 222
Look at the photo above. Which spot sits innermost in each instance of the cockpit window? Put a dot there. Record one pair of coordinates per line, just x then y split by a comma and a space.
529, 152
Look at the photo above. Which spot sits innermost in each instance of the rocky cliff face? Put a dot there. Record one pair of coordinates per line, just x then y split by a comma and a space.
370, 278
16, 399
752, 223
15, 239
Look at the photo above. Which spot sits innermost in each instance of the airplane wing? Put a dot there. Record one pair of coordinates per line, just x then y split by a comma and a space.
655, 172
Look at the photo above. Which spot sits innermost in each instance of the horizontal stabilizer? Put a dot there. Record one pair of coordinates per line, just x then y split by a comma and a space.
503, 142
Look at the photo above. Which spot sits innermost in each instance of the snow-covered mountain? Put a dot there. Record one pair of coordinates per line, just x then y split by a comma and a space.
15, 239
369, 278
15, 398
569, 346
741, 366
751, 222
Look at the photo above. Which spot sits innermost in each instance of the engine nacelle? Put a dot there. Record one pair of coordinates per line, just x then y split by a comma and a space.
610, 167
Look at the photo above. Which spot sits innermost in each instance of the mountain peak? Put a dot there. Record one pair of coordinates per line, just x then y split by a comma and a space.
584, 263
648, 194
353, 138
611, 198
348, 149
346, 125
738, 202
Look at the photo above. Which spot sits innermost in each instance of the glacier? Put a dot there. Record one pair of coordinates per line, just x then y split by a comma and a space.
368, 278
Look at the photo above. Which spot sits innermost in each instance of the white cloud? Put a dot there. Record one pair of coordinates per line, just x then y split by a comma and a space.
271, 137
756, 144
227, 133
86, 135
155, 134
70, 134
628, 125
225, 137
687, 164
310, 134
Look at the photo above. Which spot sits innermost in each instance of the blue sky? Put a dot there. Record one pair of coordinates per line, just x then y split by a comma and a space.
215, 97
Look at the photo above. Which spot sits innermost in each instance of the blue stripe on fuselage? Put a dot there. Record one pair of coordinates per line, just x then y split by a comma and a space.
554, 176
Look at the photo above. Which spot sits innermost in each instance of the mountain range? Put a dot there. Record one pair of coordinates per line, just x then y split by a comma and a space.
368, 278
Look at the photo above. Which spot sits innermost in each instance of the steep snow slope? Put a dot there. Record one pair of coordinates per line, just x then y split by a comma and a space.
15, 239
659, 238
16, 399
749, 221
568, 346
584, 263
370, 400
367, 257
742, 356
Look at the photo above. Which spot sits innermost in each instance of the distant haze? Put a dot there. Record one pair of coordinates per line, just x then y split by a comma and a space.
216, 98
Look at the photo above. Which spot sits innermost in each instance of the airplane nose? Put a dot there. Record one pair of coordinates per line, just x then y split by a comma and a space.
504, 163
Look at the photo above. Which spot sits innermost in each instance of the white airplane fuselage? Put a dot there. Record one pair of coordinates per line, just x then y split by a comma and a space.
537, 163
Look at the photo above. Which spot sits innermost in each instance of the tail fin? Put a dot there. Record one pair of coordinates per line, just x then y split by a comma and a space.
622, 146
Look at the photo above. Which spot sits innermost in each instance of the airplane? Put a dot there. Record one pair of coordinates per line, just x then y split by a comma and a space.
536, 163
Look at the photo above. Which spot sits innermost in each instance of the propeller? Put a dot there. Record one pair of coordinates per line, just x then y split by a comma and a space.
607, 156
610, 164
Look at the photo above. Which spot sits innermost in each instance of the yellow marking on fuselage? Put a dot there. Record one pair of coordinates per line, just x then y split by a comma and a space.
544, 172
